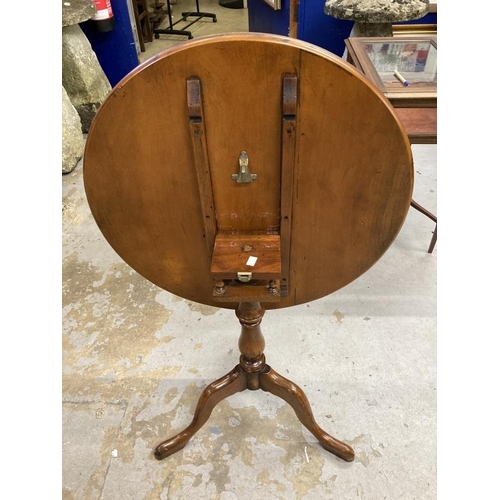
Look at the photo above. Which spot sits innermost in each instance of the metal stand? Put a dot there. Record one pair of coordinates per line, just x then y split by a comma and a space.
170, 29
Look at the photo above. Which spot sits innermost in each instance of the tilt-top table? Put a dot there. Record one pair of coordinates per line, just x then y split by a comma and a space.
247, 171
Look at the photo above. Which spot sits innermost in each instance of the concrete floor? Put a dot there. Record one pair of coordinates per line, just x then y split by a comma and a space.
228, 20
136, 358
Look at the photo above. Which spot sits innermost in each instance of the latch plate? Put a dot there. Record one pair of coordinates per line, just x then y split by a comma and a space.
243, 176
244, 277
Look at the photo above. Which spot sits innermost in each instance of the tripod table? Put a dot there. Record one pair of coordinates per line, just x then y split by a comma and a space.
251, 172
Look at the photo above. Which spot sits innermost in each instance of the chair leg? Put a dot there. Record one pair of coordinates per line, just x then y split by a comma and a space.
433, 240
148, 30
138, 26
431, 216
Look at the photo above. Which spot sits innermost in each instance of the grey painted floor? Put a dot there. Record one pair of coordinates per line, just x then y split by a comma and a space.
136, 358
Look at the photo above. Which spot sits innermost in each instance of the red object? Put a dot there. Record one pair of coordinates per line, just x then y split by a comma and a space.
104, 19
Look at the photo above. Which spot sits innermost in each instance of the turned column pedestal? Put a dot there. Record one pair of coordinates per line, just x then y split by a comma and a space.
253, 373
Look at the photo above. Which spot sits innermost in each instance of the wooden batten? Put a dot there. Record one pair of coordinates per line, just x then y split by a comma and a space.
200, 150
247, 265
288, 140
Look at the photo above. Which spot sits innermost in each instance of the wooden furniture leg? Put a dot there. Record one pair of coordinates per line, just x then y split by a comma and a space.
433, 239
274, 383
213, 394
253, 373
143, 23
431, 216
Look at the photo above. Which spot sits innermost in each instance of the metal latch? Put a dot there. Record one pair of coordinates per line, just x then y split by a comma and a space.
244, 276
244, 175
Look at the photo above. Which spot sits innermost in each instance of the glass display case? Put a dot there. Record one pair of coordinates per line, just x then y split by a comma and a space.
404, 68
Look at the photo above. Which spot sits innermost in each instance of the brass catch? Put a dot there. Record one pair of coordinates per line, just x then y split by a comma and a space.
244, 277
243, 176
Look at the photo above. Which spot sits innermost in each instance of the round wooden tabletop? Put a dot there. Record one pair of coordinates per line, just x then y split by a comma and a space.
352, 173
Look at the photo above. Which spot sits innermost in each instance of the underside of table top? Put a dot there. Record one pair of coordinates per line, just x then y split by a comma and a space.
351, 172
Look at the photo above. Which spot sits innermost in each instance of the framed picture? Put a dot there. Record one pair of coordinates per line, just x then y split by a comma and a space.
403, 67
414, 29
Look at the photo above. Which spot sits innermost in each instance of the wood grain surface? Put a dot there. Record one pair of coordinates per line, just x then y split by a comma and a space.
352, 178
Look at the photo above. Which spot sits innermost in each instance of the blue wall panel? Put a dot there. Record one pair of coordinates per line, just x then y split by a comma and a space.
321, 29
314, 26
115, 49
264, 19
